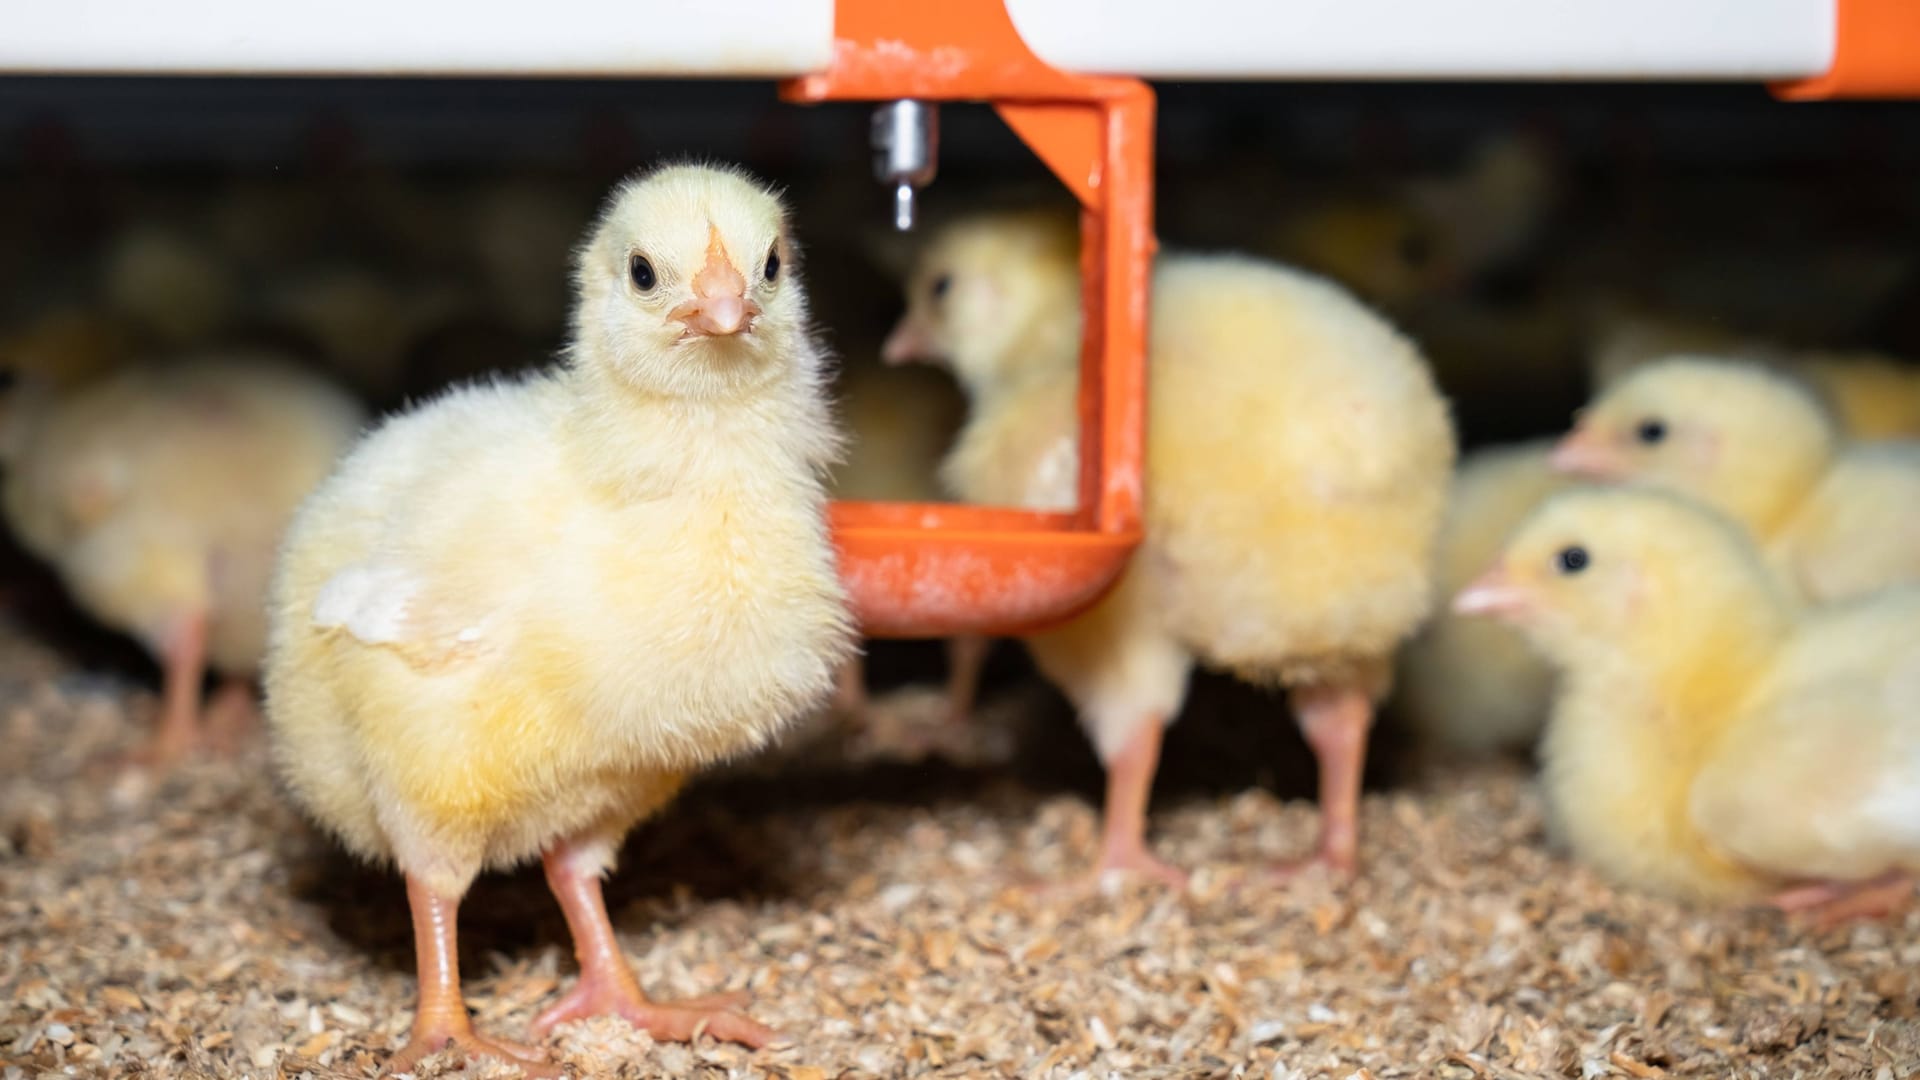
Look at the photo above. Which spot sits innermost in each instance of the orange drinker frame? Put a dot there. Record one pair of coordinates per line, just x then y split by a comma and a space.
930, 570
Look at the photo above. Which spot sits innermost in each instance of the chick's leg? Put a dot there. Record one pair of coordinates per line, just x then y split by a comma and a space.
183, 667
440, 1023
966, 655
232, 715
1335, 721
607, 985
1123, 844
850, 686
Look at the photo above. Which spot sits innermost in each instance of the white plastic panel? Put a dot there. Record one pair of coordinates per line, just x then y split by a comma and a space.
759, 38
1409, 39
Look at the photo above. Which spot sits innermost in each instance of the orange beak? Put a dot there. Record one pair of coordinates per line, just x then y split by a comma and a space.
908, 343
1493, 593
1585, 454
720, 306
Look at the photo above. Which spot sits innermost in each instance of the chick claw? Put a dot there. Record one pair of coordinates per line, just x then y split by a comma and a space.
675, 1021
1826, 905
467, 1044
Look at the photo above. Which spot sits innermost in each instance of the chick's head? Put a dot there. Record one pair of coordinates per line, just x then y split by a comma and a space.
1632, 573
687, 286
991, 296
1736, 436
57, 351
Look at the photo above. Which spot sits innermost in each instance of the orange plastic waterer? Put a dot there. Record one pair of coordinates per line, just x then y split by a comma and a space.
928, 570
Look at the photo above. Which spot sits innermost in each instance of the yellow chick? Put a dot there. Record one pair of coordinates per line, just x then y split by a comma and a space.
1873, 396
1468, 683
1297, 467
902, 420
54, 352
170, 286
1837, 519
160, 494
1707, 742
518, 617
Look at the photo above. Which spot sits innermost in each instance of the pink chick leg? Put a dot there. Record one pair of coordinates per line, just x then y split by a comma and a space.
966, 655
232, 715
850, 686
441, 1023
1335, 721
1123, 845
1829, 904
607, 985
183, 665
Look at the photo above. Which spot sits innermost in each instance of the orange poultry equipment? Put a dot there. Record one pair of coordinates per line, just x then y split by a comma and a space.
1876, 54
931, 570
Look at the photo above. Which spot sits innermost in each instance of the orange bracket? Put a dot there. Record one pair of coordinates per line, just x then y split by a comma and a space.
929, 570
1876, 54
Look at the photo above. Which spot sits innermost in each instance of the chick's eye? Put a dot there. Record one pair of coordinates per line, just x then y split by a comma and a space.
1571, 560
941, 284
773, 262
641, 271
1651, 431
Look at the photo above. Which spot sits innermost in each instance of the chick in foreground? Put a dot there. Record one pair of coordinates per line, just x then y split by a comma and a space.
517, 618
1707, 741
160, 493
1837, 519
901, 421
1297, 467
1471, 684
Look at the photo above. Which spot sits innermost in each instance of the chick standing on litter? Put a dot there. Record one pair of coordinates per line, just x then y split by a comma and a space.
1706, 741
160, 495
1468, 683
517, 618
1836, 519
1297, 467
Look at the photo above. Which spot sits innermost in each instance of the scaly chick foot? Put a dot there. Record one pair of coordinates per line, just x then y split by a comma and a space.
462, 1040
680, 1021
1827, 905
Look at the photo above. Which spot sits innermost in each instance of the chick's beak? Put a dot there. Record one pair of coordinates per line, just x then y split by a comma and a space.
720, 306
1493, 593
1584, 453
908, 342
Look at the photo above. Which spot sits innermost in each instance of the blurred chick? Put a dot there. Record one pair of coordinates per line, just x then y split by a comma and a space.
1836, 519
173, 288
1873, 396
518, 617
1468, 683
1706, 742
1297, 469
159, 494
54, 352
363, 323
902, 421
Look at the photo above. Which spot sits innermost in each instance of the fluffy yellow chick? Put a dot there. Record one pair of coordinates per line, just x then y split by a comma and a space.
518, 617
1297, 469
1837, 519
55, 352
1707, 742
160, 494
1873, 396
902, 420
1468, 683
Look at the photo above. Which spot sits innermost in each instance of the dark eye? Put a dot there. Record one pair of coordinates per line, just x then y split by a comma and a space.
7, 379
941, 284
641, 271
1415, 249
1651, 431
773, 262
1571, 560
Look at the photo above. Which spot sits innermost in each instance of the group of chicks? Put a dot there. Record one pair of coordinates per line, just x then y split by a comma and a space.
512, 621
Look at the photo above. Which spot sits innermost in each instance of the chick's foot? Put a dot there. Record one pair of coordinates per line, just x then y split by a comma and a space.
460, 1039
1335, 721
1829, 904
604, 994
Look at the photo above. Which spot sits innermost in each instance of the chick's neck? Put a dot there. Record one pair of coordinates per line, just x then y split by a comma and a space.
637, 445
